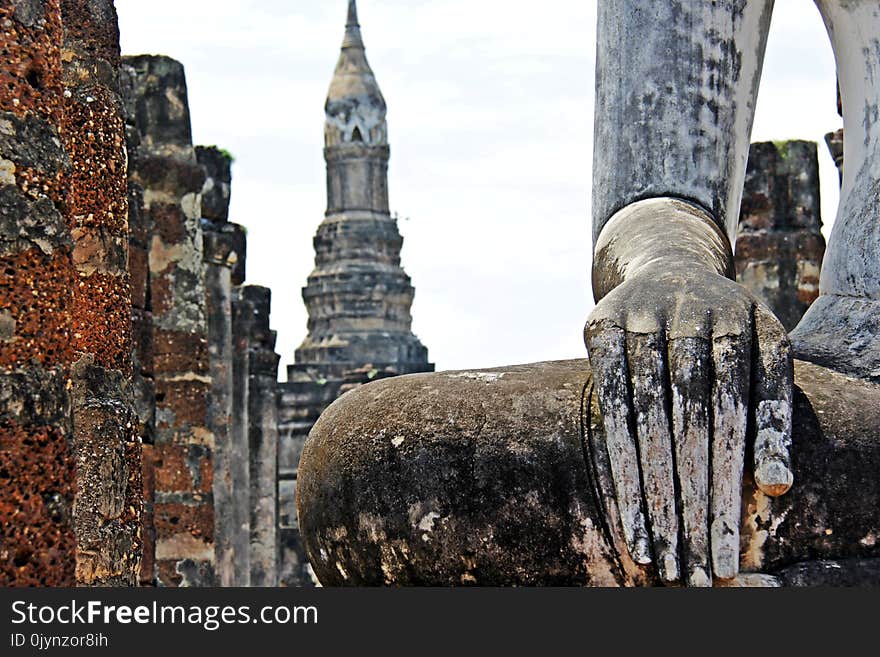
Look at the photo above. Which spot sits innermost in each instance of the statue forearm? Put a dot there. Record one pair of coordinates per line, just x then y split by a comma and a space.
851, 266
840, 329
676, 83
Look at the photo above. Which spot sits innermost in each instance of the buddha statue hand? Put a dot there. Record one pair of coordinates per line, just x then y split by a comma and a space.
688, 366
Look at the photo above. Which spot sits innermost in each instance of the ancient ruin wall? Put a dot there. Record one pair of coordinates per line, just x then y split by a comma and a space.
140, 231
172, 181
779, 247
37, 467
262, 439
224, 252
109, 499
239, 511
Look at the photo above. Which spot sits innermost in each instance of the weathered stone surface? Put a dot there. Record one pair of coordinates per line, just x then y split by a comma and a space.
239, 511
223, 251
140, 229
673, 114
37, 465
840, 329
225, 244
147, 575
109, 499
779, 246
301, 399
37, 478
31, 77
231, 239
818, 337
499, 477
680, 351
218, 291
166, 169
109, 496
161, 111
440, 479
263, 440
218, 182
834, 141
842, 572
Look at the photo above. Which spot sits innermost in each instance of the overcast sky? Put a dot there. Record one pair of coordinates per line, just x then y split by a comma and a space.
490, 113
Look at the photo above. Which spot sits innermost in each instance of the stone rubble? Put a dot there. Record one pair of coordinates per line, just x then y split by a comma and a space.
779, 245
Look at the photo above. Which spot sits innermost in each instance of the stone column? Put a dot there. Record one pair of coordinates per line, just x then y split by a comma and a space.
263, 440
834, 141
140, 230
224, 246
37, 466
242, 319
779, 247
107, 512
172, 181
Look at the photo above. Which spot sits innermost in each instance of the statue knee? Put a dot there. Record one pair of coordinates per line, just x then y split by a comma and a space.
473, 477
497, 477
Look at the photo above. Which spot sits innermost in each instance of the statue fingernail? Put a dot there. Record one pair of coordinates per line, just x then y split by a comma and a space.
641, 551
669, 567
773, 476
699, 577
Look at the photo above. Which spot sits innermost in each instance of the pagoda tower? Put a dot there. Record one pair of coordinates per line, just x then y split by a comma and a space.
358, 297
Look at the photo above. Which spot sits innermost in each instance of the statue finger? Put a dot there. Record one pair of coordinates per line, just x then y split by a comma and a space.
731, 356
772, 404
689, 367
607, 351
646, 360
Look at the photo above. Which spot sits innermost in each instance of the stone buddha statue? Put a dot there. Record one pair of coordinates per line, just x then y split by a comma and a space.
699, 444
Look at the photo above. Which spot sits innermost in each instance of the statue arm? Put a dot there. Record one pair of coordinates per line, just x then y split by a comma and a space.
837, 330
685, 359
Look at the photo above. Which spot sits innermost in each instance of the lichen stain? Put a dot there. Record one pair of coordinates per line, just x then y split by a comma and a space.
587, 542
487, 377
759, 524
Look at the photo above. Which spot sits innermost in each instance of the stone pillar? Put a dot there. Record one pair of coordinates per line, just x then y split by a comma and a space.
107, 512
242, 320
263, 440
834, 141
140, 230
172, 182
779, 247
224, 246
37, 465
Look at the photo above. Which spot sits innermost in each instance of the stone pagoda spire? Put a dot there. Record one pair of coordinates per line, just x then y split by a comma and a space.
358, 296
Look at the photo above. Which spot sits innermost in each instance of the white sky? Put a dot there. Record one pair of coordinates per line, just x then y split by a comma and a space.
490, 112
